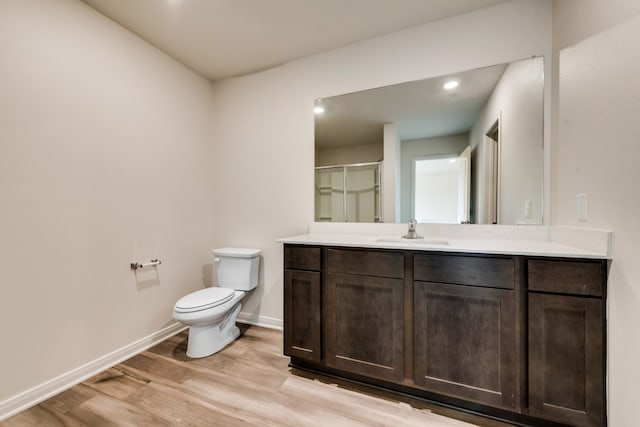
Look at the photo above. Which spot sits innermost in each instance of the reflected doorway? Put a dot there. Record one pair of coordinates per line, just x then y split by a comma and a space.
488, 191
441, 188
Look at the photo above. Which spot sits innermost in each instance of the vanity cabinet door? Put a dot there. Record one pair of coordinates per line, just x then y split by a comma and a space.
302, 311
364, 325
566, 359
465, 342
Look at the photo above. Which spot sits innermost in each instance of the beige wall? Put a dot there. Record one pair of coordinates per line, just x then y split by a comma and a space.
596, 152
346, 155
391, 174
105, 159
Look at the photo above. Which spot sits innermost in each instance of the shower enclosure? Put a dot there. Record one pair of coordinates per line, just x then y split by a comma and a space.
348, 193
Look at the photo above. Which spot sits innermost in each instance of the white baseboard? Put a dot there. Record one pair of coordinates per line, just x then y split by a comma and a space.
41, 392
263, 321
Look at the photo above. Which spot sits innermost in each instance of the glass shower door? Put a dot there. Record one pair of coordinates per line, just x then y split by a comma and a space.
363, 193
348, 193
330, 195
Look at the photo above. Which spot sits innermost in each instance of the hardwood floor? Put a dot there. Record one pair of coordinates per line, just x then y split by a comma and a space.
246, 384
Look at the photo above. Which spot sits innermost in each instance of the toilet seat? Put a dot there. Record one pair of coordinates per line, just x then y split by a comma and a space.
203, 299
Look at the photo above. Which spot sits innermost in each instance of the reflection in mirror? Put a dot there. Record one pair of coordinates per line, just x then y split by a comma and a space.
441, 188
348, 193
488, 130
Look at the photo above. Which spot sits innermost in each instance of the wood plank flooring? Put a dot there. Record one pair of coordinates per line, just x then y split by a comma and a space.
246, 384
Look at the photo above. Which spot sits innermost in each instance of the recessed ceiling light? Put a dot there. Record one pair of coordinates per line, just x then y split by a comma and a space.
451, 84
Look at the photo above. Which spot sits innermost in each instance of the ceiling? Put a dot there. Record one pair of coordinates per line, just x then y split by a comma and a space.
225, 38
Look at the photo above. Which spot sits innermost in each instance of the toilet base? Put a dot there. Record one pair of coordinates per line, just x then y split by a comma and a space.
206, 340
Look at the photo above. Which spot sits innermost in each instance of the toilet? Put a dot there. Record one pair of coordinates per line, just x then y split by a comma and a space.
211, 313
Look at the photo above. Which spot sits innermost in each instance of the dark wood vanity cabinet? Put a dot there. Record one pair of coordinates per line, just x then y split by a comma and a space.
302, 303
364, 312
516, 337
465, 327
567, 341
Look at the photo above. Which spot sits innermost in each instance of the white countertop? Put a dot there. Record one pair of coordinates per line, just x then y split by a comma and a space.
544, 241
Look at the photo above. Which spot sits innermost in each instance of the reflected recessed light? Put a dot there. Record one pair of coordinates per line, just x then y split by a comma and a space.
451, 84
318, 109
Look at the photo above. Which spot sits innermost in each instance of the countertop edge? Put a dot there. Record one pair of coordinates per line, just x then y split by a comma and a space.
474, 246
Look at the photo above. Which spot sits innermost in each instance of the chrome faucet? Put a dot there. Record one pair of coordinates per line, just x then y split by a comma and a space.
412, 234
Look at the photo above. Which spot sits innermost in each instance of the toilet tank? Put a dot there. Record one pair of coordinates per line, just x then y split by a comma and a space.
237, 268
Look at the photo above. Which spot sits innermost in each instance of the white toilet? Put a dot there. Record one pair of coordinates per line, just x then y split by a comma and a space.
211, 312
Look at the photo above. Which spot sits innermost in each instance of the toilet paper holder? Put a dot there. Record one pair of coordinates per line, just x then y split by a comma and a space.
152, 263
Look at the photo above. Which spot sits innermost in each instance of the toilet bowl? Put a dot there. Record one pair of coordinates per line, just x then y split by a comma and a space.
211, 313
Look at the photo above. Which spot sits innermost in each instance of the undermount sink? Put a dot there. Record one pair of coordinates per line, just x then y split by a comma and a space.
413, 242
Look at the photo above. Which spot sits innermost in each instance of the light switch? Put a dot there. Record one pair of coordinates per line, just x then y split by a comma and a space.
581, 206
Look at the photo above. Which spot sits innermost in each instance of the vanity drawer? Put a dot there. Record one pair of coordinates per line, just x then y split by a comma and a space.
302, 258
566, 277
367, 263
465, 270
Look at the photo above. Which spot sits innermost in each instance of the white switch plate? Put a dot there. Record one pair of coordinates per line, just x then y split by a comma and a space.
581, 206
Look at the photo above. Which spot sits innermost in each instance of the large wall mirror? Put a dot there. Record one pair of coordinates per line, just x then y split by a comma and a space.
461, 148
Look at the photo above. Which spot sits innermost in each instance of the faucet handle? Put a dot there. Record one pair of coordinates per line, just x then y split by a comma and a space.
411, 234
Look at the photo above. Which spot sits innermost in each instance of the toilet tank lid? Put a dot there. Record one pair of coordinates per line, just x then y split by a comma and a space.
237, 252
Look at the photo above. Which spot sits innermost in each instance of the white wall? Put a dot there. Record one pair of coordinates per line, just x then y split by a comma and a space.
439, 201
105, 159
518, 102
596, 152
